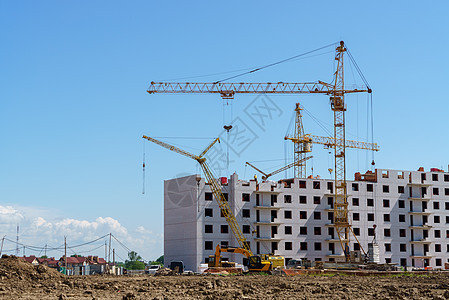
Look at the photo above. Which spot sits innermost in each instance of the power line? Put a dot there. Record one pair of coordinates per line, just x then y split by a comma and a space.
37, 248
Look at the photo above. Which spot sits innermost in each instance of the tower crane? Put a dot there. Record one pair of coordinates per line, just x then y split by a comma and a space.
336, 92
303, 143
265, 175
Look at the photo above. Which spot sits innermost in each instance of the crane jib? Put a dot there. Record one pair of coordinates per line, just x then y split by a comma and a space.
229, 89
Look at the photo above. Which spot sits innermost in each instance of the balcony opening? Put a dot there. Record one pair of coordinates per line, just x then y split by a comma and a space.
274, 215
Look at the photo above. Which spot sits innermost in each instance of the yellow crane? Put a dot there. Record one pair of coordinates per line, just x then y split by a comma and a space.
265, 176
306, 140
255, 262
303, 144
336, 92
330, 142
214, 186
300, 149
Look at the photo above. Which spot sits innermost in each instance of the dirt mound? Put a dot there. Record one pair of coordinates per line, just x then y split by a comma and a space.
12, 267
164, 272
251, 286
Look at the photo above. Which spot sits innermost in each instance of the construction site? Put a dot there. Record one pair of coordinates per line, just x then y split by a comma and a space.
381, 219
374, 235
238, 150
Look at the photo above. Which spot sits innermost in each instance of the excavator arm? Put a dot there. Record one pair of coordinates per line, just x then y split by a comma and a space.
233, 250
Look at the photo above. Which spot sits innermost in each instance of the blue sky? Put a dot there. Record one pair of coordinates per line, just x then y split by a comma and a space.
74, 104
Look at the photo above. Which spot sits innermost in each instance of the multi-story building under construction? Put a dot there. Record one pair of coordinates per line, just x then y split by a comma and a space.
407, 212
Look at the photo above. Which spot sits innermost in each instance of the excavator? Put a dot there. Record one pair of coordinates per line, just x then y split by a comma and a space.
253, 262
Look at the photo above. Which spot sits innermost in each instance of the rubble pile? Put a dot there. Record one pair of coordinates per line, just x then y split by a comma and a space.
14, 268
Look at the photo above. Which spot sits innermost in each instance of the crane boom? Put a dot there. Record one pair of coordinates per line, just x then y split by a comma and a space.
295, 163
331, 142
257, 169
174, 149
227, 90
265, 175
215, 188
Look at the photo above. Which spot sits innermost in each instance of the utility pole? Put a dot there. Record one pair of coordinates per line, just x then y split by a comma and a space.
110, 241
65, 255
113, 257
105, 250
23, 251
1, 249
45, 252
17, 241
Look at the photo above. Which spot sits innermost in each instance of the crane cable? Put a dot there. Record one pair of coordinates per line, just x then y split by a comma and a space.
233, 71
275, 63
357, 68
143, 170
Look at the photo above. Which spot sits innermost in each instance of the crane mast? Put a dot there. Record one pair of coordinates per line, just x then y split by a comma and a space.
336, 90
300, 148
338, 106
214, 186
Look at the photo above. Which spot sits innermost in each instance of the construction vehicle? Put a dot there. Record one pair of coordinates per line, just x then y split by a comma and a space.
255, 261
277, 261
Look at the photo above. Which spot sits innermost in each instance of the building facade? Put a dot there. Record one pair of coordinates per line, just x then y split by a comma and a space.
406, 211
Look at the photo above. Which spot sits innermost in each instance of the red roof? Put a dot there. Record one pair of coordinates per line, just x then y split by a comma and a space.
29, 259
74, 260
42, 260
52, 263
93, 260
96, 260
101, 260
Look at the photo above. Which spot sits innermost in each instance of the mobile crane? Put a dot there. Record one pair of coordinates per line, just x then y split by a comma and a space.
255, 262
295, 163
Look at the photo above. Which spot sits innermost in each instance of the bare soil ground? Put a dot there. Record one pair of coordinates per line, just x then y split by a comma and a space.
21, 280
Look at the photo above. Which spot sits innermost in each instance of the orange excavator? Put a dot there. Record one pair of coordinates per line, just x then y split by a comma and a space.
253, 262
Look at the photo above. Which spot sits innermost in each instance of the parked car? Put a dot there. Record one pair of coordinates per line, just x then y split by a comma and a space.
153, 269
296, 263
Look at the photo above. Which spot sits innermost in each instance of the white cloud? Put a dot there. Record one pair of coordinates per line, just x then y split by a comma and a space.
9, 214
40, 230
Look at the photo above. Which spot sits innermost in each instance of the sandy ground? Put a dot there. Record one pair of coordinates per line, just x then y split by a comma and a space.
20, 280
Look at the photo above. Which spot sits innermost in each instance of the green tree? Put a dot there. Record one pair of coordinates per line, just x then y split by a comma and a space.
160, 260
133, 256
134, 262
135, 265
